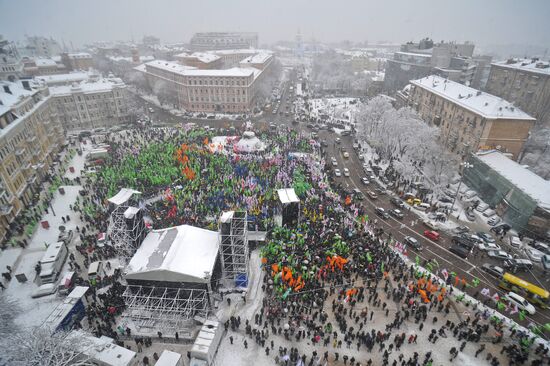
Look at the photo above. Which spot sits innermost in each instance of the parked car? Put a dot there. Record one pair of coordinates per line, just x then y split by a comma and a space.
430, 234
470, 215
499, 254
482, 207
500, 227
338, 140
346, 155
365, 180
515, 242
372, 195
493, 270
430, 224
489, 212
460, 251
520, 302
397, 213
334, 162
358, 194
534, 255
518, 264
412, 242
461, 229
346, 172
381, 212
463, 241
445, 199
486, 237
337, 172
495, 220
397, 202
541, 247
545, 262
488, 246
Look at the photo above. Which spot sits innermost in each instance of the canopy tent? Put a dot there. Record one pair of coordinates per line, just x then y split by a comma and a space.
178, 254
249, 143
123, 196
287, 195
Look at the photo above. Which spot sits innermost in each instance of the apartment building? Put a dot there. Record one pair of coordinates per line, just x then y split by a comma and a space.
524, 82
30, 138
11, 67
223, 40
92, 103
77, 61
226, 90
469, 119
42, 66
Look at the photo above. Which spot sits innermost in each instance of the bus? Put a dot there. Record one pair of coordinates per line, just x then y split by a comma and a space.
534, 294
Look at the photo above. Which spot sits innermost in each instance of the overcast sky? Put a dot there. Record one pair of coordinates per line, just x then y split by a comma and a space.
481, 21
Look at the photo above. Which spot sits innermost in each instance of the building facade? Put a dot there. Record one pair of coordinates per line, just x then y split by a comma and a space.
226, 91
526, 83
519, 196
470, 120
77, 61
42, 47
93, 103
11, 67
223, 40
30, 138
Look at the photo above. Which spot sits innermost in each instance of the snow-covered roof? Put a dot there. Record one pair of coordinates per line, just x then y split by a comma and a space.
15, 96
123, 196
484, 104
64, 78
130, 59
44, 62
531, 65
79, 55
168, 358
103, 349
414, 54
177, 254
88, 86
201, 56
258, 58
530, 183
193, 71
287, 195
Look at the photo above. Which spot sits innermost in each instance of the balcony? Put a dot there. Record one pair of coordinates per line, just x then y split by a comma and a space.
20, 151
31, 139
22, 189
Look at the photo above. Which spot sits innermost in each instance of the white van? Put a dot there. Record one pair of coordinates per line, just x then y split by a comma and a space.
52, 262
95, 269
423, 206
66, 283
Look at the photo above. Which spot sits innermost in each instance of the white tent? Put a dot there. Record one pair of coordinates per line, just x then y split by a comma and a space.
287, 195
178, 254
123, 196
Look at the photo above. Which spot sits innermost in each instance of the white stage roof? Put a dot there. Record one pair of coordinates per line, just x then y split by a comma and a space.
287, 195
123, 196
176, 254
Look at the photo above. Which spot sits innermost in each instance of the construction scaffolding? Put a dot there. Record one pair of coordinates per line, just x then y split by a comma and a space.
163, 308
234, 248
126, 229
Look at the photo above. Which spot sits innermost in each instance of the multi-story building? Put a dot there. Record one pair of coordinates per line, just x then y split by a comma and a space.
526, 83
223, 40
483, 68
42, 66
417, 60
228, 90
11, 67
231, 58
30, 138
259, 61
41, 47
64, 79
469, 119
93, 103
77, 61
200, 60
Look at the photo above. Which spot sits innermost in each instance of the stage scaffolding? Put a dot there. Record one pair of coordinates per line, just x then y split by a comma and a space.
234, 247
126, 229
163, 308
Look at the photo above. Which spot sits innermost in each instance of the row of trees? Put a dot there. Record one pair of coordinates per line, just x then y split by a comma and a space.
411, 146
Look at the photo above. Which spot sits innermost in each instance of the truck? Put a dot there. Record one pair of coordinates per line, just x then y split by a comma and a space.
52, 262
98, 154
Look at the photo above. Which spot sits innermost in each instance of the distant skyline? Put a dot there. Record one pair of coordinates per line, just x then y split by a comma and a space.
484, 22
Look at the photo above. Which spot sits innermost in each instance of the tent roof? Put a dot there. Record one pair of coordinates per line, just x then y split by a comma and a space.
287, 195
123, 196
176, 254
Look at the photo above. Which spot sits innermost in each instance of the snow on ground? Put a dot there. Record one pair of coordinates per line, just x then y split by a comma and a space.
35, 311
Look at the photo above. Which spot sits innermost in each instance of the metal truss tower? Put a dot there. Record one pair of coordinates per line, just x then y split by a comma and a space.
234, 247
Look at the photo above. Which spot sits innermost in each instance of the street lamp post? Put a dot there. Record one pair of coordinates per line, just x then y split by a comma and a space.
464, 165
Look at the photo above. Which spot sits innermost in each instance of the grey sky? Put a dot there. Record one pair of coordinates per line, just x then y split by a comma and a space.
481, 21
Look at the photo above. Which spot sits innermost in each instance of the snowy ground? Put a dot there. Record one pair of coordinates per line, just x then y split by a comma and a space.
236, 355
35, 311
